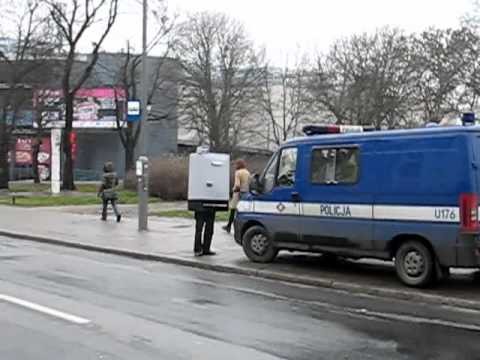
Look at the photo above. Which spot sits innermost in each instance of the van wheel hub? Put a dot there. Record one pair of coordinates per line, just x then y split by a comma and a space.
414, 263
259, 244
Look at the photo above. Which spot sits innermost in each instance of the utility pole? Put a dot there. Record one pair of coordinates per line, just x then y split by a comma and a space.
142, 162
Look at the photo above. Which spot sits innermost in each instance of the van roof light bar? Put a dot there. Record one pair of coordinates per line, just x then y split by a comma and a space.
311, 130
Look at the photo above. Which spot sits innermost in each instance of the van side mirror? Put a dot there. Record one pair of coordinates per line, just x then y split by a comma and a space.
256, 186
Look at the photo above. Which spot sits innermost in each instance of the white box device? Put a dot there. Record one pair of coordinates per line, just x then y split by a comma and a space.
208, 181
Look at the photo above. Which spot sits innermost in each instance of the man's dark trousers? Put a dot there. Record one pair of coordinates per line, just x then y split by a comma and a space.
204, 220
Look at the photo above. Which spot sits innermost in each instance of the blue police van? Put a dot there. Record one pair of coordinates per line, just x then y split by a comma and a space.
407, 195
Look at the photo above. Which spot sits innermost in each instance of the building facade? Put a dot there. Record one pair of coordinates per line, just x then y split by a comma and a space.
98, 104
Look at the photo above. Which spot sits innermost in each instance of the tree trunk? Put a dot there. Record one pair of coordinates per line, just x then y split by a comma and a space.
68, 180
4, 145
35, 151
129, 155
13, 156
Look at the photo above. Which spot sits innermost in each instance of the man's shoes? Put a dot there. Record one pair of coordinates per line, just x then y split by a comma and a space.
104, 218
209, 253
198, 253
119, 217
227, 228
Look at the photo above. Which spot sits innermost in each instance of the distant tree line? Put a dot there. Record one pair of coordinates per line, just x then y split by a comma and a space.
388, 79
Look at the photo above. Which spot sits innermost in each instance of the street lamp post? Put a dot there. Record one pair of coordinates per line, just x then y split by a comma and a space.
142, 162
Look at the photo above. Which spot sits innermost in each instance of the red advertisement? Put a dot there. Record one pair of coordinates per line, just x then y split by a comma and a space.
24, 153
73, 144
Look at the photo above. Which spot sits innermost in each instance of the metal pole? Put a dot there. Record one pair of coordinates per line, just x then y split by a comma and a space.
55, 167
143, 180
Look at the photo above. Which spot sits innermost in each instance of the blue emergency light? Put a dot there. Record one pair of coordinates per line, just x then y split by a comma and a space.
468, 118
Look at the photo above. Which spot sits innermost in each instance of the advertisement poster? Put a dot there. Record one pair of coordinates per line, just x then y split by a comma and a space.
24, 154
93, 108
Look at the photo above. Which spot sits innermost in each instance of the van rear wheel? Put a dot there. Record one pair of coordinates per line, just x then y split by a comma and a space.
414, 264
258, 246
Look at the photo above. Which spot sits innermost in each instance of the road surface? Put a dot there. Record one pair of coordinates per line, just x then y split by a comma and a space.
58, 303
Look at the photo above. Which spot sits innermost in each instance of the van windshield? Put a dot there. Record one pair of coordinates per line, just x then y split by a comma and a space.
268, 176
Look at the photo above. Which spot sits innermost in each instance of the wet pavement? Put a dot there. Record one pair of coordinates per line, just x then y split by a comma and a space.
172, 238
148, 310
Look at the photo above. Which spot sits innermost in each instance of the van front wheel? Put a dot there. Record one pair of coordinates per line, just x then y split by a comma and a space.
414, 264
258, 246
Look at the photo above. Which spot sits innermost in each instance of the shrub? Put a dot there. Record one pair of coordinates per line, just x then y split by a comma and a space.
169, 178
256, 164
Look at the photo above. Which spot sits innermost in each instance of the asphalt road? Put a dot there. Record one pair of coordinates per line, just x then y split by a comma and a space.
58, 303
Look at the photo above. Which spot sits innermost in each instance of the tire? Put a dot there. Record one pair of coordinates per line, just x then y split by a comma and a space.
258, 245
415, 264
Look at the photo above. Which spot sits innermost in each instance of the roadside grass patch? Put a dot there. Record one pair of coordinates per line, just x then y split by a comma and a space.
45, 187
125, 197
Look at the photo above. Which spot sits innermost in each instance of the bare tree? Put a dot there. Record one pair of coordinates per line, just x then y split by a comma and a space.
366, 79
442, 59
284, 101
74, 18
471, 70
23, 64
160, 79
221, 77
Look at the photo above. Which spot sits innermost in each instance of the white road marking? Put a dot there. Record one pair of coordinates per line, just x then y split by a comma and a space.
45, 310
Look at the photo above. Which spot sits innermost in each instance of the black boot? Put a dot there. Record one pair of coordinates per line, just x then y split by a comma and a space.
228, 227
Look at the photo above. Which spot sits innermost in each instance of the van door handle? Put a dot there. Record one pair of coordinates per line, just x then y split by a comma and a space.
295, 196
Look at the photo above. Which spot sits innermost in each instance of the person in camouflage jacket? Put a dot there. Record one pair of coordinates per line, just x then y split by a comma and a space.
107, 190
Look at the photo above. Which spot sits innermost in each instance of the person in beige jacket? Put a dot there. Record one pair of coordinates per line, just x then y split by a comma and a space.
241, 186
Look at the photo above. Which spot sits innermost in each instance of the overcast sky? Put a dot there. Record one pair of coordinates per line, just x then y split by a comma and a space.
283, 26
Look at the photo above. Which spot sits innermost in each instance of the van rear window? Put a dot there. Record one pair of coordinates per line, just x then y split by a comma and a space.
333, 166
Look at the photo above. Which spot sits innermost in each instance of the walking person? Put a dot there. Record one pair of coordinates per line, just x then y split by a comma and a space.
108, 191
240, 187
204, 226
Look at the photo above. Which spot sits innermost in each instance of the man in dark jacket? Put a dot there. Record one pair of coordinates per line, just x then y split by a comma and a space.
108, 192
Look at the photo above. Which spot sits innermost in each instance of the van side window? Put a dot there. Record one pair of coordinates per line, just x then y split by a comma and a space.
335, 166
287, 167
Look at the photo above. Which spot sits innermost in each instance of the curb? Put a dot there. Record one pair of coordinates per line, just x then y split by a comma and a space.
264, 274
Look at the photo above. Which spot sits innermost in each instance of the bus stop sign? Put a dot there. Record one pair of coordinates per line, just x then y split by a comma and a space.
133, 110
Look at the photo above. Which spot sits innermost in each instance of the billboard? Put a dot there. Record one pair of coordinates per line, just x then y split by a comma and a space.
93, 108
24, 153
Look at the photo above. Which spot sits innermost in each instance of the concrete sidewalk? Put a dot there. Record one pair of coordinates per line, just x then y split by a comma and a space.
171, 240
